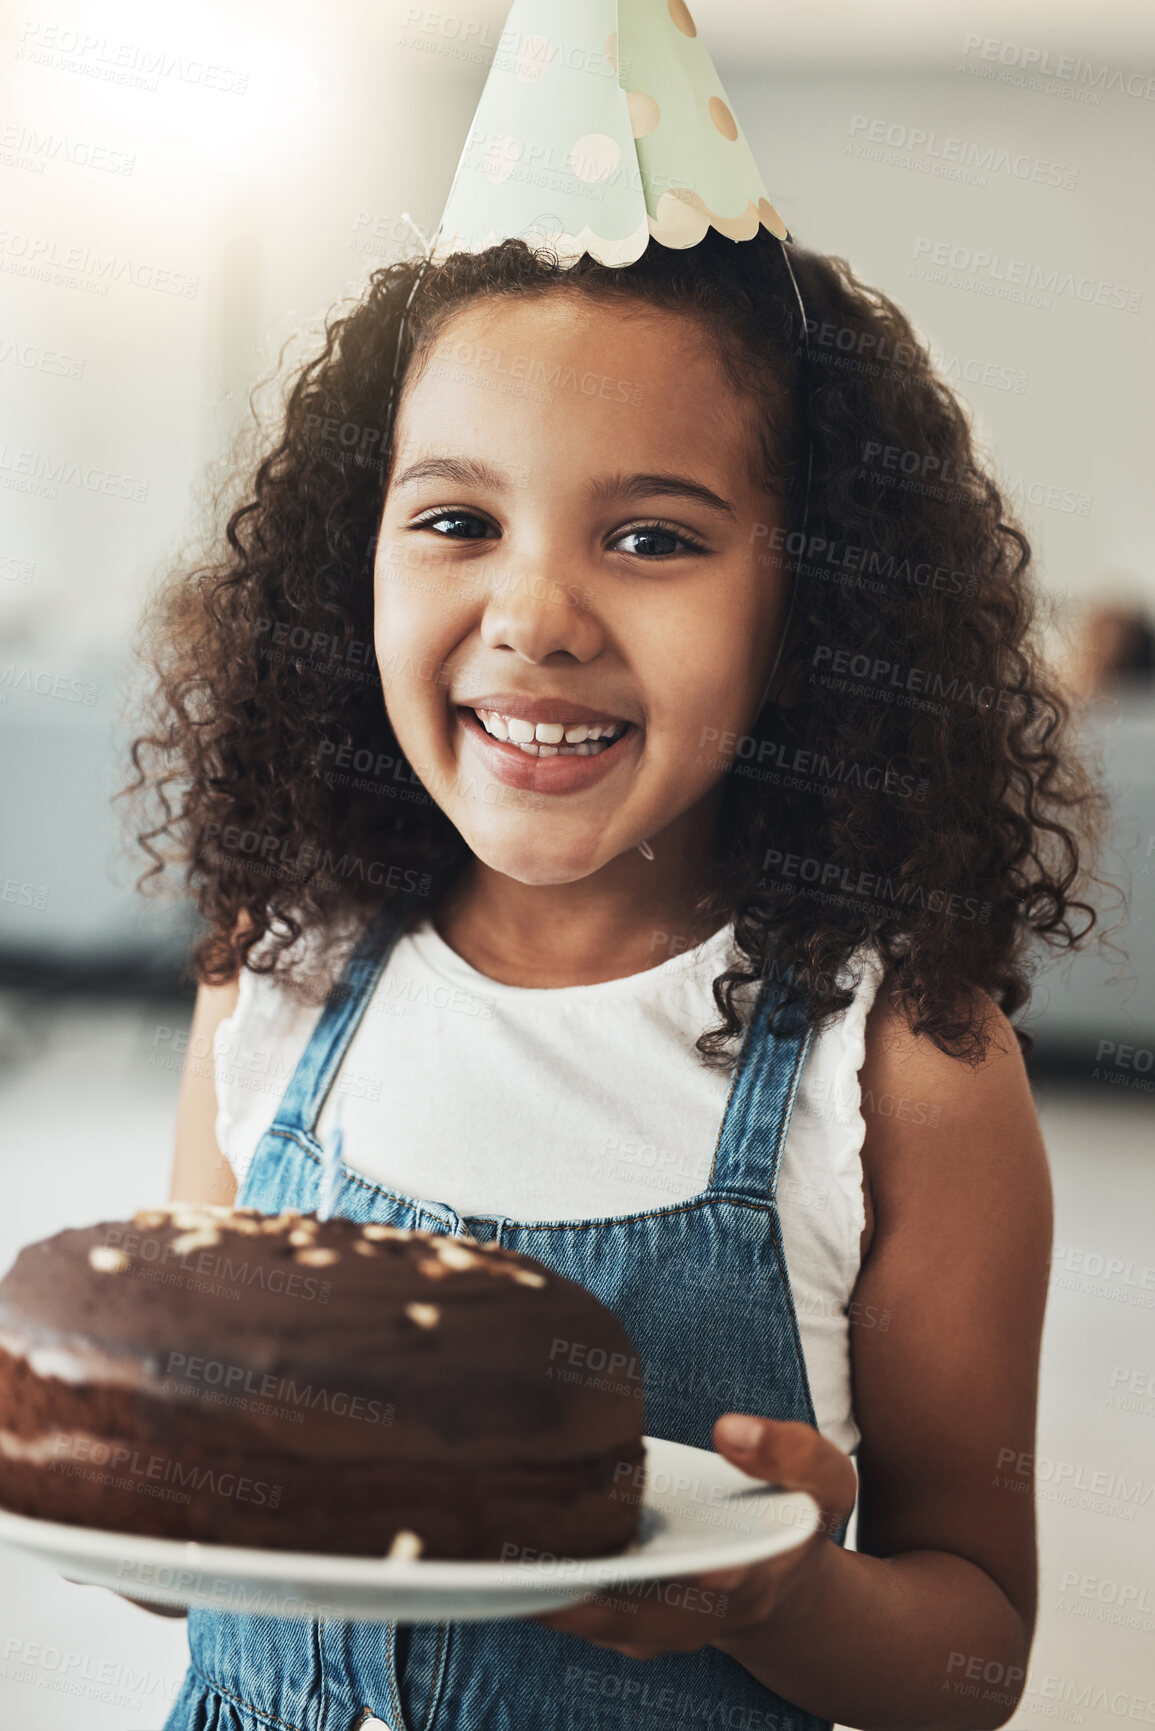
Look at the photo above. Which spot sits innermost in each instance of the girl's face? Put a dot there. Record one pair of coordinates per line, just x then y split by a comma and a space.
572, 625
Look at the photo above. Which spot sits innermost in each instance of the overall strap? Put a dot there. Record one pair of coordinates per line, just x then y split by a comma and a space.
761, 1100
347, 1002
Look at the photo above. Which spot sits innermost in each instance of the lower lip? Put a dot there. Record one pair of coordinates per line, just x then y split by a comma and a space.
565, 773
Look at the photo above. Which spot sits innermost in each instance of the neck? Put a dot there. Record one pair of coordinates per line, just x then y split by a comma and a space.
631, 915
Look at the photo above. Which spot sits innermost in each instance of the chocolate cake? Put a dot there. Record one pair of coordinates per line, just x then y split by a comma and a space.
238, 1378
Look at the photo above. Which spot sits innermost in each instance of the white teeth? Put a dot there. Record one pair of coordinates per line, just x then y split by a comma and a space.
550, 738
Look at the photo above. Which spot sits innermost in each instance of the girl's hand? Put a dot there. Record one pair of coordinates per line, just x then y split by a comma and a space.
706, 1610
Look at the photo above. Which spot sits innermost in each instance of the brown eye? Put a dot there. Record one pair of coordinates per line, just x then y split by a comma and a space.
456, 525
656, 541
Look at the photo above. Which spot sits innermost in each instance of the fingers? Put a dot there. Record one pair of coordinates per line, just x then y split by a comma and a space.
688, 1614
795, 1456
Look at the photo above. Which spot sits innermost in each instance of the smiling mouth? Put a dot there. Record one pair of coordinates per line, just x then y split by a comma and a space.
551, 738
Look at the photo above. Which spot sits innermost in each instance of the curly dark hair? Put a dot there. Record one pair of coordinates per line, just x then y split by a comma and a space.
909, 789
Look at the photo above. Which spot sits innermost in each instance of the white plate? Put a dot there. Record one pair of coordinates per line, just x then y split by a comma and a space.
699, 1513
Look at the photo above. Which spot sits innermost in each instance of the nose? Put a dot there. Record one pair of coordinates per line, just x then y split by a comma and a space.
537, 616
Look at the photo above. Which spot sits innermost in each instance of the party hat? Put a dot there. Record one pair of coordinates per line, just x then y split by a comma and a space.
603, 125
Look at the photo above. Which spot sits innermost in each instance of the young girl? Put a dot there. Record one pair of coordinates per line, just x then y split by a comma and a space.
638, 878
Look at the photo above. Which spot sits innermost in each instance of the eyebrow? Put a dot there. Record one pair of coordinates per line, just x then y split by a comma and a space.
470, 472
661, 486
466, 471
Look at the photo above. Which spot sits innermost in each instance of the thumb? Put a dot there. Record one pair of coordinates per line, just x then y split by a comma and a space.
793, 1456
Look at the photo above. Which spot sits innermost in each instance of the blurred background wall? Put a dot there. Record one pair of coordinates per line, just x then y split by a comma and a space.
184, 191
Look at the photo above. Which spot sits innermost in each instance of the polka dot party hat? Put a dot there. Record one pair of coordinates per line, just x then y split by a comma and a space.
603, 125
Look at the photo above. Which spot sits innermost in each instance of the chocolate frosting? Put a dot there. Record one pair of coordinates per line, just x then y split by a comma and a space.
420, 1346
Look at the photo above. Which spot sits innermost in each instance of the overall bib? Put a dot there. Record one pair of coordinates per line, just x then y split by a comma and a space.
702, 1288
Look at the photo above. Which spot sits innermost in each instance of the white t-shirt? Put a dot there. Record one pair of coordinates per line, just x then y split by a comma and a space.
574, 1102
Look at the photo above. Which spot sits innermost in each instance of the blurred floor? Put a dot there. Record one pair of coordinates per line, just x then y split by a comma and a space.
74, 1656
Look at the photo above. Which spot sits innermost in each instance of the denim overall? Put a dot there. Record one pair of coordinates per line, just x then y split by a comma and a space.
702, 1288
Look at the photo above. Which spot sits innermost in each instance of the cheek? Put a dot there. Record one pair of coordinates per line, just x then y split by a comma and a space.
418, 620
410, 603
708, 670
695, 724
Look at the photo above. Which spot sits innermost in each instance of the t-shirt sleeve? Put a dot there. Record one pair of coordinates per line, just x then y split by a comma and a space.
255, 1052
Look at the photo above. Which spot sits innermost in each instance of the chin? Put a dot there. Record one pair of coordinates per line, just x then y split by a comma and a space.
534, 865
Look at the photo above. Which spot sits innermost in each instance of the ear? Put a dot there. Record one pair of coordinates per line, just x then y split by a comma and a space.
786, 684
786, 680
